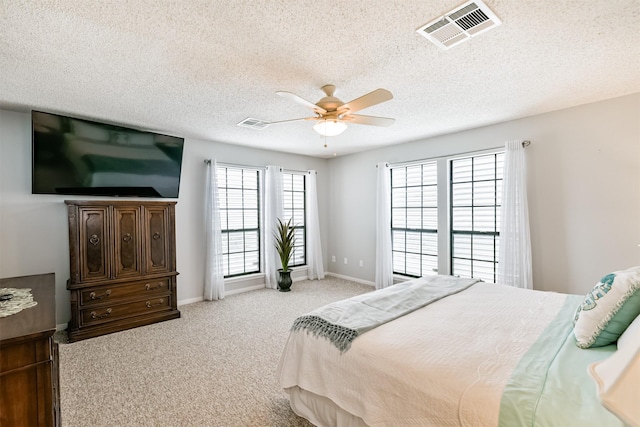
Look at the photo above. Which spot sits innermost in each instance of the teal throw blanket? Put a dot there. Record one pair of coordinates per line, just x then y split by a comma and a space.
343, 321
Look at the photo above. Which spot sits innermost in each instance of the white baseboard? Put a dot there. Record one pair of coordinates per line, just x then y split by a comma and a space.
241, 290
190, 300
226, 293
352, 279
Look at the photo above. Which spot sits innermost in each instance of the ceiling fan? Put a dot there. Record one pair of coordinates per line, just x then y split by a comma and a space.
332, 115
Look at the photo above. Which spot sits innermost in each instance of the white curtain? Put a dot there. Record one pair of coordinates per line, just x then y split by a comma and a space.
384, 261
514, 261
272, 211
314, 245
214, 274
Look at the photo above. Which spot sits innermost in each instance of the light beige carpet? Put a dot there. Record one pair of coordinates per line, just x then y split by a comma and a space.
215, 366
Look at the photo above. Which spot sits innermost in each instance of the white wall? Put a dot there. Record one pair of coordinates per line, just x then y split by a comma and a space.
584, 192
34, 231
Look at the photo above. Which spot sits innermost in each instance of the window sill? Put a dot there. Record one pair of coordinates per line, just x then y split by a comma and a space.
244, 278
397, 278
252, 276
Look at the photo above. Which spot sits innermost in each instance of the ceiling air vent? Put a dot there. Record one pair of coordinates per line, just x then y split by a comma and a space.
460, 24
253, 123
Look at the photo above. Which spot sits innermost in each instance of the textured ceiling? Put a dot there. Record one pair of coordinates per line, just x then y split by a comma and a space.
196, 68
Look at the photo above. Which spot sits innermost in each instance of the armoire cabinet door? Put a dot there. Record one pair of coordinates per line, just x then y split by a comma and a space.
127, 238
94, 243
158, 239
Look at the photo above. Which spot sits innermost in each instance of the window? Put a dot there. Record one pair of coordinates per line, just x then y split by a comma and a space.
476, 192
239, 204
468, 216
293, 203
414, 219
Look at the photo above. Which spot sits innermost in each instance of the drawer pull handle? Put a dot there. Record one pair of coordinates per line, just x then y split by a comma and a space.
126, 238
94, 240
92, 295
148, 286
161, 302
156, 235
102, 316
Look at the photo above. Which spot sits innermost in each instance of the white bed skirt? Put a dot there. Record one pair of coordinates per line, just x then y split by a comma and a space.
321, 411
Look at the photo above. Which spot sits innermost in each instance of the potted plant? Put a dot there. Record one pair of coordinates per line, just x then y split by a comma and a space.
285, 240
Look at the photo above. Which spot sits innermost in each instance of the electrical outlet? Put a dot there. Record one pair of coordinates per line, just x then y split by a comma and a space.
333, 258
361, 263
345, 260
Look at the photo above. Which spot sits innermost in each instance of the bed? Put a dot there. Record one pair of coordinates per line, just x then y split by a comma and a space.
479, 354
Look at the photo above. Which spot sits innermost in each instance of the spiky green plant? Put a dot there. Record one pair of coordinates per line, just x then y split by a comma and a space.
285, 240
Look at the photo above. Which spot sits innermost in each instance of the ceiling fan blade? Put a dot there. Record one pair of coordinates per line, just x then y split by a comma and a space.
296, 98
368, 120
366, 101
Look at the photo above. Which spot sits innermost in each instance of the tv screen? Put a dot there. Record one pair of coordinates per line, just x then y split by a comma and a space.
81, 157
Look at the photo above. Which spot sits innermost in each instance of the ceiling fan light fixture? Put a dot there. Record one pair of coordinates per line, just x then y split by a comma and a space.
329, 127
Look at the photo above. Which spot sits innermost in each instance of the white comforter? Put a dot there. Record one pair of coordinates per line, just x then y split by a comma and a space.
445, 364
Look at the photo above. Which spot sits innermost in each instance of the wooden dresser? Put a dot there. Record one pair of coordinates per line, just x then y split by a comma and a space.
29, 392
123, 265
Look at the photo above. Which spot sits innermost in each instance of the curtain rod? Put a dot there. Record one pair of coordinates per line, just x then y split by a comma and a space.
208, 162
234, 165
524, 144
295, 171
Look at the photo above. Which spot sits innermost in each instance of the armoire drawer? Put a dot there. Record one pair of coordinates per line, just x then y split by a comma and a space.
90, 316
140, 289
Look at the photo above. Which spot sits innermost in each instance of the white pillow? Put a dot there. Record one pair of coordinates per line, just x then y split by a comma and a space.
618, 379
608, 309
630, 335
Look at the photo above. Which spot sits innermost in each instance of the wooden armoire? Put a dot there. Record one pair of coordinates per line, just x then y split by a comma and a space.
122, 265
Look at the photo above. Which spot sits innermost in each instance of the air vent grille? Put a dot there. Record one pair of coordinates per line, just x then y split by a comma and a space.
437, 25
462, 11
253, 123
447, 33
460, 24
471, 20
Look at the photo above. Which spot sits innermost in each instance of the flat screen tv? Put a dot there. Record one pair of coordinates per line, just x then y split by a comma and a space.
81, 157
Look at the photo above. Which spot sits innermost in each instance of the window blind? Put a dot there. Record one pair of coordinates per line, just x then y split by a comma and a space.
239, 205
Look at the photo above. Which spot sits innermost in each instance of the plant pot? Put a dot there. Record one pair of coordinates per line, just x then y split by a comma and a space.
284, 280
